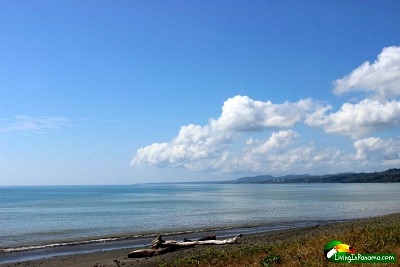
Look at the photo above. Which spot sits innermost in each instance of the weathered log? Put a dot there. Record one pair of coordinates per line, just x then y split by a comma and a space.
160, 246
159, 242
209, 237
140, 253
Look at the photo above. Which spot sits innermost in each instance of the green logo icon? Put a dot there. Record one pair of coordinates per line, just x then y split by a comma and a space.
338, 252
335, 246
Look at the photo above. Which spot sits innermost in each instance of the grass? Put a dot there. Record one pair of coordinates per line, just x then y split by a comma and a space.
305, 251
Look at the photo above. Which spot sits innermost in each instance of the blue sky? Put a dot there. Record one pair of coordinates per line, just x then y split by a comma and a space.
122, 92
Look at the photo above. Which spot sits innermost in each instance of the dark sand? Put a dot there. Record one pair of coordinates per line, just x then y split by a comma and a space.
107, 258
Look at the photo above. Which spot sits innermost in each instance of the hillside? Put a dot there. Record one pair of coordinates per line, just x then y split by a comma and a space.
388, 176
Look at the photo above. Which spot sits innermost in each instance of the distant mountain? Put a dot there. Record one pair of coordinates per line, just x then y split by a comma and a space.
254, 179
261, 179
388, 176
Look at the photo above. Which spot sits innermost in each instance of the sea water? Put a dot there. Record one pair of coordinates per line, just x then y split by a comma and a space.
45, 216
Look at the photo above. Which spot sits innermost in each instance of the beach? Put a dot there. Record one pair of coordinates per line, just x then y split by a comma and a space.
119, 256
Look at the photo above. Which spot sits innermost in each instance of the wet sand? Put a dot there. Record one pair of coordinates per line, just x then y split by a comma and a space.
110, 258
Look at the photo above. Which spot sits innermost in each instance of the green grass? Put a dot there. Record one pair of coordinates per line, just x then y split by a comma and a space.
305, 251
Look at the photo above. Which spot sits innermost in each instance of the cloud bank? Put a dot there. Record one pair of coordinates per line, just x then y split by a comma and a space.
213, 147
228, 143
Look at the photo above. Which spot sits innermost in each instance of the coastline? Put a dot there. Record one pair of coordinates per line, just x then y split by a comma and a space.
251, 235
65, 248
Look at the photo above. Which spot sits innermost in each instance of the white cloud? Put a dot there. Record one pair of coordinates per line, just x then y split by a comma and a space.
378, 151
278, 160
378, 111
23, 123
208, 148
277, 140
382, 77
215, 145
193, 144
298, 159
358, 119
253, 156
242, 113
223, 145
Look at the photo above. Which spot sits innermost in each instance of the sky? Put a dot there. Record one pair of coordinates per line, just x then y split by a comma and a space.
125, 92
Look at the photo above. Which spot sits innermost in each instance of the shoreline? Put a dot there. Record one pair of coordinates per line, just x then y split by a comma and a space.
29, 253
102, 256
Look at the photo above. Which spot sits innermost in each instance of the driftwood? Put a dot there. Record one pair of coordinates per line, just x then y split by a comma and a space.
149, 252
160, 243
160, 246
209, 237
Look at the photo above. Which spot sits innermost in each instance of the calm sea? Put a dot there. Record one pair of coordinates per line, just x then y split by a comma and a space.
33, 217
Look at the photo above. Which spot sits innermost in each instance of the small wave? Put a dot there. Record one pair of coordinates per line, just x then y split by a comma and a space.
91, 241
223, 231
74, 243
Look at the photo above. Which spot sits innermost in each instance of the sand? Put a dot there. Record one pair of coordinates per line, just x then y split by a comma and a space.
109, 258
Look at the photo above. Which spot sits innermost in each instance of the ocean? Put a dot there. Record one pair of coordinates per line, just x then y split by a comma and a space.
43, 217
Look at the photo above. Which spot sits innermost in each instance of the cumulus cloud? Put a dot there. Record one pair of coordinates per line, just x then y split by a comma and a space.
378, 111
382, 77
294, 158
274, 154
377, 151
224, 145
23, 123
277, 140
215, 145
193, 144
242, 113
359, 119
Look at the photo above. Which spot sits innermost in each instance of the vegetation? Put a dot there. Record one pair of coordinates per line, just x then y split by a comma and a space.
306, 251
388, 176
